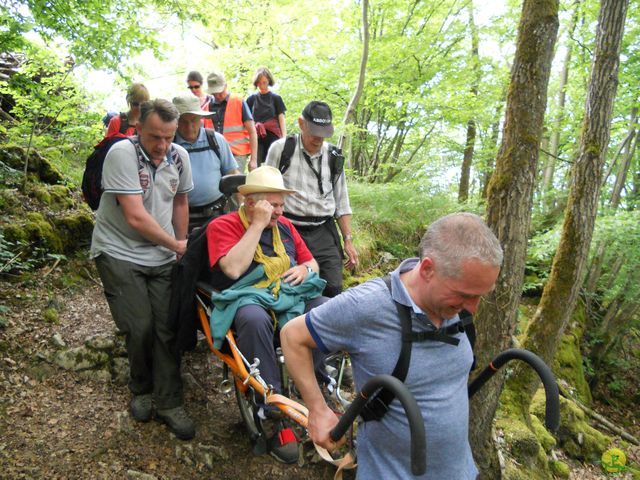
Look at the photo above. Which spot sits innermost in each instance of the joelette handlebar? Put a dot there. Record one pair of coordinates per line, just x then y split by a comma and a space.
552, 405
416, 422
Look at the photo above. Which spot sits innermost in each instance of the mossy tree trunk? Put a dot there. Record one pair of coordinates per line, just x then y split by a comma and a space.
560, 293
509, 202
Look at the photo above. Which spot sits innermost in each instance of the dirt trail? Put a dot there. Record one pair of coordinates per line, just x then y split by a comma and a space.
57, 424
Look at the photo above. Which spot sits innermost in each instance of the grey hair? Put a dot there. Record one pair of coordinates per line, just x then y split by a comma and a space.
456, 238
256, 197
166, 110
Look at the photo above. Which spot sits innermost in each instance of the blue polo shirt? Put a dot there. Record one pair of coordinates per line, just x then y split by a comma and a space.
364, 322
206, 167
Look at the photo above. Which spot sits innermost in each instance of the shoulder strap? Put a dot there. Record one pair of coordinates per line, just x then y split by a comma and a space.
213, 141
466, 318
336, 162
176, 158
378, 405
287, 153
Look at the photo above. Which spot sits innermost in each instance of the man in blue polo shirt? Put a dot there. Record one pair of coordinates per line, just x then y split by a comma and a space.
207, 164
459, 262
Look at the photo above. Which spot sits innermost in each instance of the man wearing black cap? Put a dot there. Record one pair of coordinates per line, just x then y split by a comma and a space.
315, 169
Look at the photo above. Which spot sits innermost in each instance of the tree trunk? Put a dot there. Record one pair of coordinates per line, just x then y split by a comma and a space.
350, 114
560, 293
510, 198
621, 177
465, 173
556, 125
495, 131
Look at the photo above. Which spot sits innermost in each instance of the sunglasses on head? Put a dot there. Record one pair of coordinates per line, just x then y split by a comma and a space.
194, 87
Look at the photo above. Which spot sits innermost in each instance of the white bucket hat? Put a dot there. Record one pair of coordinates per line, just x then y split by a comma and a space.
264, 179
189, 104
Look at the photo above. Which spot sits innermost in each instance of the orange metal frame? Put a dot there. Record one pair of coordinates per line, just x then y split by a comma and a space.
292, 409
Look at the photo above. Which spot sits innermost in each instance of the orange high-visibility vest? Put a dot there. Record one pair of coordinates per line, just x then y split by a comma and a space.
233, 128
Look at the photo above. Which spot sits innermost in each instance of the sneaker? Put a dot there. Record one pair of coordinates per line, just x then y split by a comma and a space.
283, 446
140, 407
178, 422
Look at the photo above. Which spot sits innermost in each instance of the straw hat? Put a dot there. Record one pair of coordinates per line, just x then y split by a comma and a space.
264, 179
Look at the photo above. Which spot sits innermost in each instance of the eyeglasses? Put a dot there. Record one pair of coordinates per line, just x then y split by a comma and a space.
135, 104
194, 87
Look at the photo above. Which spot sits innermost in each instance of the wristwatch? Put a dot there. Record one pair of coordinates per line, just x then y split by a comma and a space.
348, 237
309, 269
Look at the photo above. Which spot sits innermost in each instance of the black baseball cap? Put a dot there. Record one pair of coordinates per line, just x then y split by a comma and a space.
319, 118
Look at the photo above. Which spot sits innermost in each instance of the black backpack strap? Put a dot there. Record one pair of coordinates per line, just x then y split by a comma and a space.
213, 141
287, 153
378, 404
336, 162
466, 318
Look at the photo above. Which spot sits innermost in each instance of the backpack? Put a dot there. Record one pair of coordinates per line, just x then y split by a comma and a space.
336, 159
378, 404
92, 177
213, 143
124, 121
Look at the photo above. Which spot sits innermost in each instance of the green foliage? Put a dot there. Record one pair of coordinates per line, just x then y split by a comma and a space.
20, 256
4, 311
620, 232
100, 33
396, 215
50, 315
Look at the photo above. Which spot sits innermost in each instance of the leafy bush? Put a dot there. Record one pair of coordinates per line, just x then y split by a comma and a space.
396, 215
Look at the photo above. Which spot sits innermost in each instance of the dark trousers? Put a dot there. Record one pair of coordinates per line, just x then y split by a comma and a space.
263, 146
324, 243
255, 339
198, 216
138, 298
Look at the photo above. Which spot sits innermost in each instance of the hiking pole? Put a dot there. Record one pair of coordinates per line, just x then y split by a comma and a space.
416, 423
552, 403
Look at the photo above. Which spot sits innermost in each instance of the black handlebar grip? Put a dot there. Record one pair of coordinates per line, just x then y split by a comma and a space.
414, 415
552, 404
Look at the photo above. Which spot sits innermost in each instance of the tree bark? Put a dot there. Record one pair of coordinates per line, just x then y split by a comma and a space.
510, 198
561, 291
350, 114
623, 169
556, 126
467, 159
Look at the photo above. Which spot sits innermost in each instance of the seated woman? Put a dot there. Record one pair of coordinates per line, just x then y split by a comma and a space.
126, 123
266, 276
268, 110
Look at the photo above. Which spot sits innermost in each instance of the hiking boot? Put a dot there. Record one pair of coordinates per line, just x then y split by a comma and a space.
178, 422
283, 446
140, 407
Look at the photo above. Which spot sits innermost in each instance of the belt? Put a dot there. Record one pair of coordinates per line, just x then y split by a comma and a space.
298, 218
215, 205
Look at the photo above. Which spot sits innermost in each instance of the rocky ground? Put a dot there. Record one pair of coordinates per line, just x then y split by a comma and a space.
73, 423
56, 423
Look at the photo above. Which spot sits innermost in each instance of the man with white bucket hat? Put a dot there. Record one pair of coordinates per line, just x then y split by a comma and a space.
210, 156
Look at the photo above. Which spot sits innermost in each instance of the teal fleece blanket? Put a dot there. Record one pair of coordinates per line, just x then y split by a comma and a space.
289, 303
